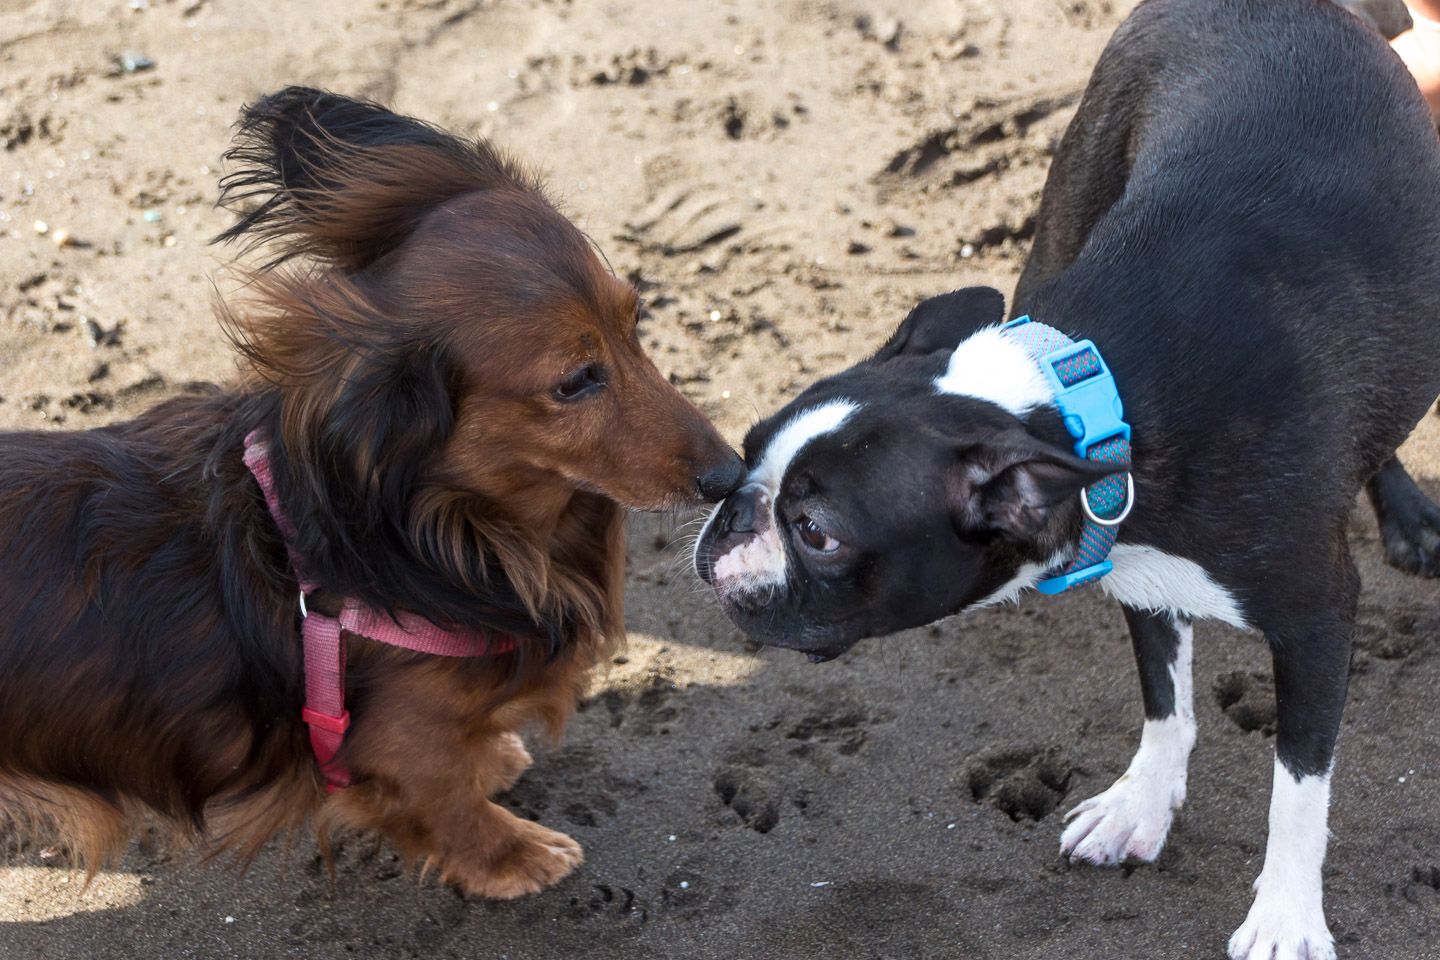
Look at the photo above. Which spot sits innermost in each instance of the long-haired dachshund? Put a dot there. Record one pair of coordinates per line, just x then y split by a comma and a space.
447, 406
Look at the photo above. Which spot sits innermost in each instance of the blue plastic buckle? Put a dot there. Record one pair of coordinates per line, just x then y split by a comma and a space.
1064, 581
1090, 408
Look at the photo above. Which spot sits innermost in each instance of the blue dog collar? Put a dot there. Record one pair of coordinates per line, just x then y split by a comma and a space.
1089, 404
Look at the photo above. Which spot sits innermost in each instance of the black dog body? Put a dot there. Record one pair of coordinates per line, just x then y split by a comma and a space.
1243, 217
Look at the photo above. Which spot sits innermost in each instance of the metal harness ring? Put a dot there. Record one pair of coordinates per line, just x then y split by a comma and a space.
1129, 505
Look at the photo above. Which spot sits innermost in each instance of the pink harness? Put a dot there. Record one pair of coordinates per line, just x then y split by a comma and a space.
323, 639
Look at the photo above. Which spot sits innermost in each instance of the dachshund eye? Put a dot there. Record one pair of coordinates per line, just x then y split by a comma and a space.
814, 537
583, 382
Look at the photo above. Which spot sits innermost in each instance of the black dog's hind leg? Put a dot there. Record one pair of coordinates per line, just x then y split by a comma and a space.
1131, 820
1312, 674
1409, 521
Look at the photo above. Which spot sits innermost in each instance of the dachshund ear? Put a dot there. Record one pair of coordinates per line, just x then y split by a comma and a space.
391, 415
942, 322
346, 180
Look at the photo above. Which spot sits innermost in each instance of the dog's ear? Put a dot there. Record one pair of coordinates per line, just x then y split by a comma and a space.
345, 180
1009, 484
942, 322
365, 403
393, 412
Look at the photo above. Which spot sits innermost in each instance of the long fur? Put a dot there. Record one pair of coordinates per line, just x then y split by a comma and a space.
149, 653
302, 157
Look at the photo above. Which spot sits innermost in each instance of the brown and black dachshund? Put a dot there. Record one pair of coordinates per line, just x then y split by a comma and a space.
458, 408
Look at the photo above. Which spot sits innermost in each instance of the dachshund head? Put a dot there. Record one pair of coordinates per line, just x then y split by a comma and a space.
453, 360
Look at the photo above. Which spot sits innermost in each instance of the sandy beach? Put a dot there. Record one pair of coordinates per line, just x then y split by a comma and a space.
783, 180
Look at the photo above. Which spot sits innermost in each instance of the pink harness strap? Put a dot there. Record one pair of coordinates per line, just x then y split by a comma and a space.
324, 642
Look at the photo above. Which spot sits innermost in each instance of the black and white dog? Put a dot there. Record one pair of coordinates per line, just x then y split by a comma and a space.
1244, 218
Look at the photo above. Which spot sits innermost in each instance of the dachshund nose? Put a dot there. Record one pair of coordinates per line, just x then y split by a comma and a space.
718, 482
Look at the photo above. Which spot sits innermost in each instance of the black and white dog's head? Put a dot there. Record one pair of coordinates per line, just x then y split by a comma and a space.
908, 487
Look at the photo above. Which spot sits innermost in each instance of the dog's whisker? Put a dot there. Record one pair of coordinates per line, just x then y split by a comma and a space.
332, 463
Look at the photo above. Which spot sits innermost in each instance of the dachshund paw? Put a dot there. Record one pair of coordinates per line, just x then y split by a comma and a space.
535, 858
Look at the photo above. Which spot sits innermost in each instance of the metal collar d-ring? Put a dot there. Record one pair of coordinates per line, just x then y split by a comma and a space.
1129, 505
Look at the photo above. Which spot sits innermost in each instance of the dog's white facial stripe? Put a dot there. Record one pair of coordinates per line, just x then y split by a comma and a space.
991, 366
760, 562
1131, 820
790, 439
1150, 579
1288, 916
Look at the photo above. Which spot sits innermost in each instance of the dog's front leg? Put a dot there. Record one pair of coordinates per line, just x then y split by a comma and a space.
1131, 820
1287, 919
426, 791
428, 749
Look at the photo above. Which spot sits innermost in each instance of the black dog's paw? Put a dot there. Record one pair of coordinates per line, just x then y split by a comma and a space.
1409, 522
1412, 541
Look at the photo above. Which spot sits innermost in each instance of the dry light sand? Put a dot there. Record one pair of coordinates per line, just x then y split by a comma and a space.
785, 179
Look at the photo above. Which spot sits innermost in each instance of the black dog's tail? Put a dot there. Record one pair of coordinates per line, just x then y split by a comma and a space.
345, 180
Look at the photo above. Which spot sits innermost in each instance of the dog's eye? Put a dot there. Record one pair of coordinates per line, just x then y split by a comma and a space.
582, 382
813, 537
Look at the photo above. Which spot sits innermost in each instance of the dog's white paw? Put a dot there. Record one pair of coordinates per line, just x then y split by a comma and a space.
1283, 927
1130, 821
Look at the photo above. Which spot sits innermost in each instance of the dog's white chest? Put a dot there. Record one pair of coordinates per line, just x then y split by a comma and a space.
1149, 579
